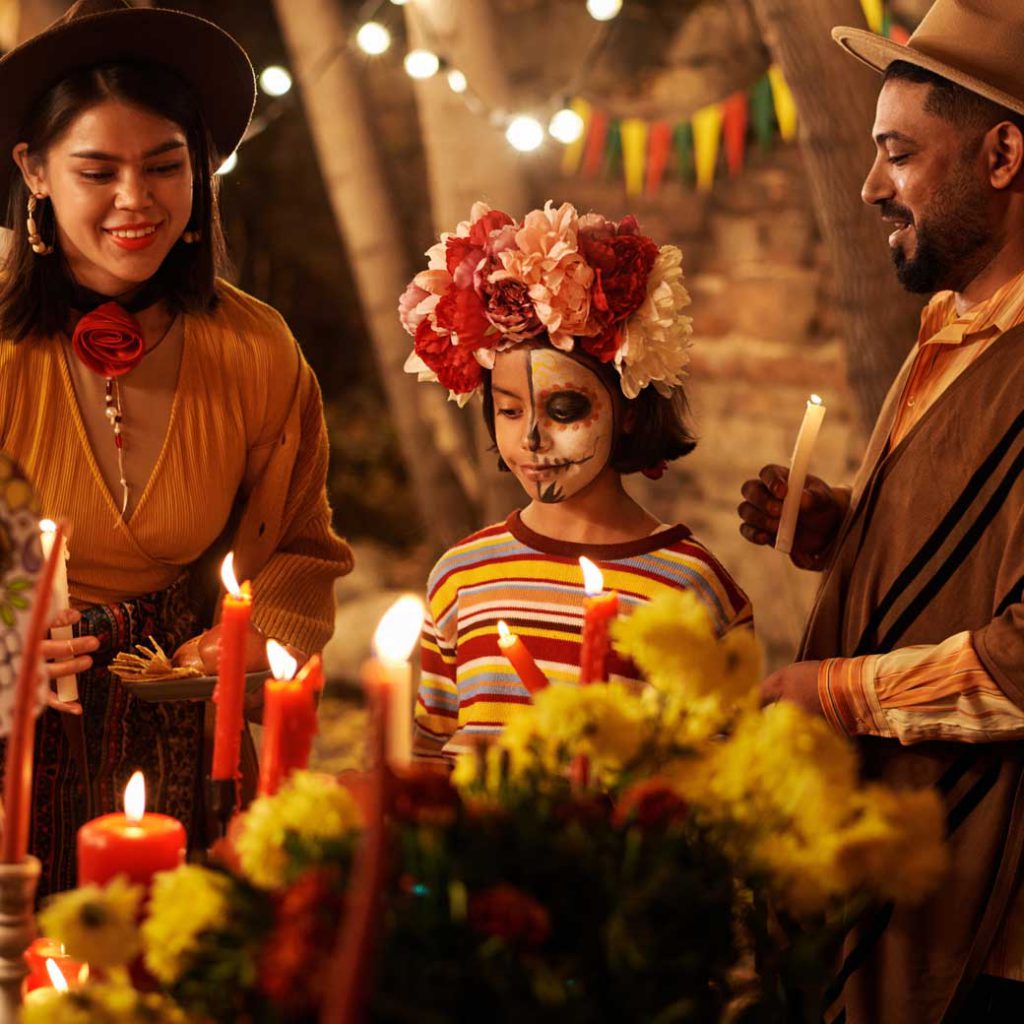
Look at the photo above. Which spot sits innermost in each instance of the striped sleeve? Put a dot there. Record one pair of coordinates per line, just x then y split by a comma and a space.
913, 694
437, 703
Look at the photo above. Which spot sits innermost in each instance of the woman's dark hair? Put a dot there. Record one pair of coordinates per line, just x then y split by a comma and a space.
652, 429
36, 291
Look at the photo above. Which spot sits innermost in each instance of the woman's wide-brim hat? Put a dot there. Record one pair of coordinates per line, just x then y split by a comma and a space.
978, 44
93, 32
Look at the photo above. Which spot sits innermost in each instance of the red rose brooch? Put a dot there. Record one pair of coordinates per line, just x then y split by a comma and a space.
109, 340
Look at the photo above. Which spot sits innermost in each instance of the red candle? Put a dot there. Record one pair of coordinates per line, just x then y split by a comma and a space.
229, 694
134, 844
20, 743
289, 717
599, 609
520, 658
39, 976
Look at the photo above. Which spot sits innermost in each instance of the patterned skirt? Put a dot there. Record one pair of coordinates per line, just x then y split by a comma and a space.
122, 734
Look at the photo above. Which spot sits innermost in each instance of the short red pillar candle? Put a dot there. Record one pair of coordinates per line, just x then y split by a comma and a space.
599, 610
289, 717
134, 844
39, 951
229, 694
521, 659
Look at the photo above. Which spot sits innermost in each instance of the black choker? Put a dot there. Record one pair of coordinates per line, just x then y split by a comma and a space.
85, 300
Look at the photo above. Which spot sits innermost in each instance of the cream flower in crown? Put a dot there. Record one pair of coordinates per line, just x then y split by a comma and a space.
576, 281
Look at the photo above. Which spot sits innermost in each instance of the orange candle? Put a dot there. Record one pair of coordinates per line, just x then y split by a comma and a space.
229, 694
599, 609
134, 844
21, 742
289, 716
520, 658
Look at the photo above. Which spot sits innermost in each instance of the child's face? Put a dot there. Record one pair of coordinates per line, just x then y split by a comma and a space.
553, 421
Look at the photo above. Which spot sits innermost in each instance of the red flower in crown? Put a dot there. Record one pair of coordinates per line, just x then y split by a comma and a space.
109, 340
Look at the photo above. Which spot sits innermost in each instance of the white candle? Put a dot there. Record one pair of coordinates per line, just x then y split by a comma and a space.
802, 451
67, 686
393, 644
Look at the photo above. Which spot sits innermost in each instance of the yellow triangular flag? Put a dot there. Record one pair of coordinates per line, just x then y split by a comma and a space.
707, 132
573, 152
785, 105
874, 13
634, 153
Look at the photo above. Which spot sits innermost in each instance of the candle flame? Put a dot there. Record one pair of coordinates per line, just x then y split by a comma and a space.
228, 577
593, 578
503, 631
83, 974
47, 526
815, 399
399, 629
59, 982
135, 798
282, 664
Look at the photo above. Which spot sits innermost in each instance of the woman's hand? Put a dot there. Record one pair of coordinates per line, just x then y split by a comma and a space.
68, 657
204, 651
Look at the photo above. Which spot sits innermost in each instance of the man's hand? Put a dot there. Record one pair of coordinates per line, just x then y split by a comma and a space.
821, 511
797, 683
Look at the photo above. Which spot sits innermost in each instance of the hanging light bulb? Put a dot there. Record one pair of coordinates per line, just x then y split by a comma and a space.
457, 81
229, 165
566, 126
373, 38
524, 133
421, 64
399, 3
275, 80
603, 10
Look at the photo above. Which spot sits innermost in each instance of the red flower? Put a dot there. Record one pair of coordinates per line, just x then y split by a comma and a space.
603, 346
650, 804
425, 796
493, 220
508, 306
109, 341
455, 365
509, 913
461, 312
622, 259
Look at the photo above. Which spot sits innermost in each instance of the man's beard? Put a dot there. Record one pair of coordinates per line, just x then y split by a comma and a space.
955, 240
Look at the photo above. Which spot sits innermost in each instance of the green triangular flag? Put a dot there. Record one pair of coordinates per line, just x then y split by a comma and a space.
613, 150
762, 113
682, 140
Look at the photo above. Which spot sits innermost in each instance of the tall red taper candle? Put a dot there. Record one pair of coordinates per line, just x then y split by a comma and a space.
21, 742
229, 694
599, 609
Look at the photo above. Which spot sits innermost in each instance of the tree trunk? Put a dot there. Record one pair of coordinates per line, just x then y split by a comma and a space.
35, 15
835, 97
354, 179
468, 160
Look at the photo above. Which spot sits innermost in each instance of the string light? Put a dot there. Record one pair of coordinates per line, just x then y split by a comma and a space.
421, 64
457, 81
399, 3
524, 133
275, 80
229, 165
566, 126
373, 38
603, 10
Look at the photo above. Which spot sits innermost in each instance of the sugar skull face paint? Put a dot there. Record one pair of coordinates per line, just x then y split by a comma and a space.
554, 421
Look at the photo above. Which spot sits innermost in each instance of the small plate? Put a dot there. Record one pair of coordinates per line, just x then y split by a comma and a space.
196, 688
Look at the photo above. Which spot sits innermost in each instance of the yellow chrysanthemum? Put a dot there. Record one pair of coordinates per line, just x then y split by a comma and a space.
309, 809
96, 924
184, 903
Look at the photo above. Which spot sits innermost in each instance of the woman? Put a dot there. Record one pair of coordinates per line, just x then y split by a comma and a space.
164, 414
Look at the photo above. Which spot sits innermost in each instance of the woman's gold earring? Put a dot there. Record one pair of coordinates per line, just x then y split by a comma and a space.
191, 237
35, 240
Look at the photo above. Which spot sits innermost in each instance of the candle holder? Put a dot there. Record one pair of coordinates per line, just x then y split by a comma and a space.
222, 804
17, 930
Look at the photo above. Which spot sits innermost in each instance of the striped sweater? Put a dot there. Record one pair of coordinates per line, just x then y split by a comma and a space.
534, 583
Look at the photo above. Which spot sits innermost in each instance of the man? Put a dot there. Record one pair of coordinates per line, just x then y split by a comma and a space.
915, 644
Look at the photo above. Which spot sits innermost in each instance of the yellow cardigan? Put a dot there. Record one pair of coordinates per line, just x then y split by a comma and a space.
246, 452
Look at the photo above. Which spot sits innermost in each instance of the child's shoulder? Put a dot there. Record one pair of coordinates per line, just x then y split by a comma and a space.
486, 545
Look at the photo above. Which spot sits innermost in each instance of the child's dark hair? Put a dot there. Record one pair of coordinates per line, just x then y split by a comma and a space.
652, 429
36, 292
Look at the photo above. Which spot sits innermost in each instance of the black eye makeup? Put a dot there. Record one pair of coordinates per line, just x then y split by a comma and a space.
567, 406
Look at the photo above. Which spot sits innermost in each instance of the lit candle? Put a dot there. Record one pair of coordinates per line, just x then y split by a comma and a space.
802, 450
520, 658
46, 956
50, 990
393, 643
67, 686
289, 717
599, 609
21, 741
134, 844
229, 693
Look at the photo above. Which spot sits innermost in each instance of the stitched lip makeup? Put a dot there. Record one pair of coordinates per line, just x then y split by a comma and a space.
133, 237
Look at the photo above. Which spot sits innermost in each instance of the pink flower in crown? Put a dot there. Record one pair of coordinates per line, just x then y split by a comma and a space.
547, 260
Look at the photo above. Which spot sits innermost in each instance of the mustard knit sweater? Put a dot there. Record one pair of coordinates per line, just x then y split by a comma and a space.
246, 425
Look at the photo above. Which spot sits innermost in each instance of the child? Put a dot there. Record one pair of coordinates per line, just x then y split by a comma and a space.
572, 330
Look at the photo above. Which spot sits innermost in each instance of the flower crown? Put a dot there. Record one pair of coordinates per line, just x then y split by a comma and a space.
584, 281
